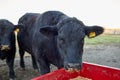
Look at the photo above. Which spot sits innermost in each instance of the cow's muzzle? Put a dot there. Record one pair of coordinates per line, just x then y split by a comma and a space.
5, 47
72, 67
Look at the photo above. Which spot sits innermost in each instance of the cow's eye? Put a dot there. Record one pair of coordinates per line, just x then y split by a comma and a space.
62, 41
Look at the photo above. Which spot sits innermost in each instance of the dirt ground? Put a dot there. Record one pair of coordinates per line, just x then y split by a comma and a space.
101, 54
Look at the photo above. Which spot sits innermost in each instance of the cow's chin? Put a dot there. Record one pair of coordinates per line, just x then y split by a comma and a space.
71, 70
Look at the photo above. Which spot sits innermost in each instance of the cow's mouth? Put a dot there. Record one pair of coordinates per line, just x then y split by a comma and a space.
71, 70
5, 48
73, 67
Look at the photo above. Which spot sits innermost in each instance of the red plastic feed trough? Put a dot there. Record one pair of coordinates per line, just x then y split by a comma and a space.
89, 70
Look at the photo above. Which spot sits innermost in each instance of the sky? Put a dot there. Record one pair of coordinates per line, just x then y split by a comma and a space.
105, 13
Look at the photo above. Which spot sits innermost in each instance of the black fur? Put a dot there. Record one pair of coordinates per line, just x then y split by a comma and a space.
7, 37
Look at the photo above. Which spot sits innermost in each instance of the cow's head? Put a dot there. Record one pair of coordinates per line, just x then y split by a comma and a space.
70, 40
6, 35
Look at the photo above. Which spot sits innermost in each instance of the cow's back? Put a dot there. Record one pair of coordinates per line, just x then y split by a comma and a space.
26, 30
28, 21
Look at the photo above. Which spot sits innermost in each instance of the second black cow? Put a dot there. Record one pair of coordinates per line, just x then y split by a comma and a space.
58, 39
7, 45
26, 23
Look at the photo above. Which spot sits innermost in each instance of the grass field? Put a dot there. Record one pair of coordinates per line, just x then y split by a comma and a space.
103, 39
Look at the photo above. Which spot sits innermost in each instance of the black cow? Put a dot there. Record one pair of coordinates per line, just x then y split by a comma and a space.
24, 37
58, 39
7, 45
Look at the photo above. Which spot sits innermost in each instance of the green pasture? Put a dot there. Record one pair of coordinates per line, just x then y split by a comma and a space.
103, 39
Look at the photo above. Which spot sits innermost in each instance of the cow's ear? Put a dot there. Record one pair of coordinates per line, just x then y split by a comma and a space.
49, 31
93, 31
18, 27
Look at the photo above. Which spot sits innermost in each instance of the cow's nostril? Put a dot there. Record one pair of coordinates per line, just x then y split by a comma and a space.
74, 65
5, 47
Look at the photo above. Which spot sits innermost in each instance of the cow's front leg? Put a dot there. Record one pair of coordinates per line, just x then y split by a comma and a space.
34, 62
10, 63
42, 63
22, 64
44, 66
